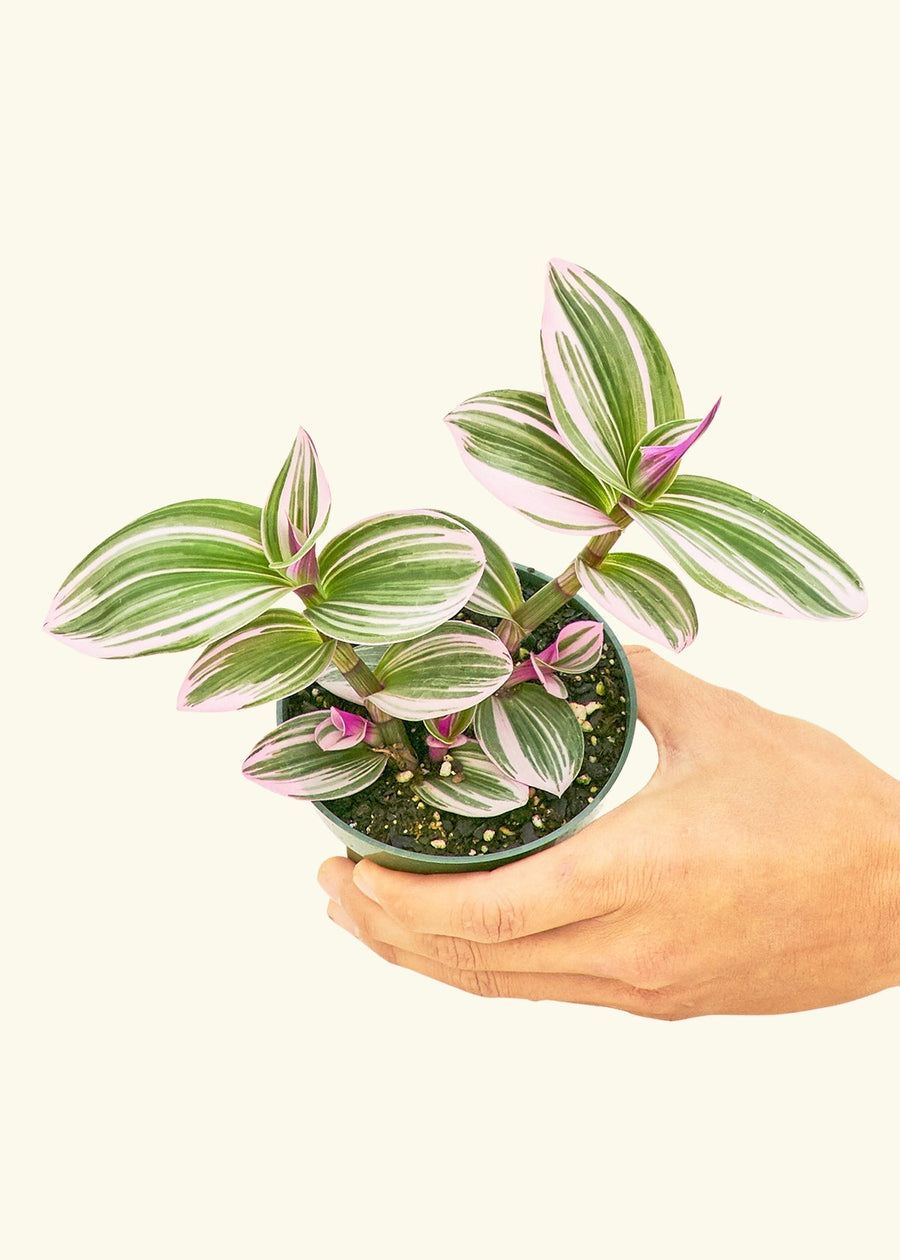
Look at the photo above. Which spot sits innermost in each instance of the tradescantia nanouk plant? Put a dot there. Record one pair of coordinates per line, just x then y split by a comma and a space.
377, 614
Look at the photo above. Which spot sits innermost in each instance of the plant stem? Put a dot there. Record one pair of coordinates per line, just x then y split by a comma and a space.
396, 740
366, 684
356, 671
557, 592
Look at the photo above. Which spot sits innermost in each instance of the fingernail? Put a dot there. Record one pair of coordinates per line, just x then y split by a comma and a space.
362, 882
339, 916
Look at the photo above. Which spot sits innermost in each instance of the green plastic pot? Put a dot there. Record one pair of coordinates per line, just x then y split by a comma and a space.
362, 846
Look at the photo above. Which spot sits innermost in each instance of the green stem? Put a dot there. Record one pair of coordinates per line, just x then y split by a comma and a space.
390, 729
557, 592
356, 671
394, 737
545, 602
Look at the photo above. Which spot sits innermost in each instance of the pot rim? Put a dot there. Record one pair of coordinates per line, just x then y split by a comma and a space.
453, 861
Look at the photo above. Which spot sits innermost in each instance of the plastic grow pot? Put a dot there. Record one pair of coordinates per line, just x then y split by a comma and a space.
359, 845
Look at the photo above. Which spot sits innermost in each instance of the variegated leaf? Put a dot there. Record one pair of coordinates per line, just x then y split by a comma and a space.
394, 577
290, 762
670, 433
532, 736
172, 579
483, 791
654, 463
273, 656
335, 682
508, 442
450, 725
450, 669
644, 595
577, 647
341, 729
608, 378
498, 593
547, 676
297, 508
746, 550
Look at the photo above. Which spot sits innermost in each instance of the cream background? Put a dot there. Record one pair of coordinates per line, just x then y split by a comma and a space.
225, 219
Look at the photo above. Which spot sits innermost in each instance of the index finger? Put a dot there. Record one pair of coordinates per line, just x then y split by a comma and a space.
581, 878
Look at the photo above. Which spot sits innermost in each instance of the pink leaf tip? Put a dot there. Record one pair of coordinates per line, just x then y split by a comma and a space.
655, 463
341, 729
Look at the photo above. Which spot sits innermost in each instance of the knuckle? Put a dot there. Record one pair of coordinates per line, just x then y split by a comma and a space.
454, 952
652, 1004
490, 916
670, 1014
664, 1017
486, 984
669, 1005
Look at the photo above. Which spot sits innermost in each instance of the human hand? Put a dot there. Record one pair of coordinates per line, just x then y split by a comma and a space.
757, 872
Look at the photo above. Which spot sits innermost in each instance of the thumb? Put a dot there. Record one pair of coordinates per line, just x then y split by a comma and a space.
677, 708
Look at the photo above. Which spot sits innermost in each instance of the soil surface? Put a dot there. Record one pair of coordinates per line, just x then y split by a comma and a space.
392, 814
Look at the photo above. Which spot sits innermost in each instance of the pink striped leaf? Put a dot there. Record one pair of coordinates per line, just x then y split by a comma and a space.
608, 379
644, 595
477, 788
533, 669
654, 462
290, 762
438, 748
273, 656
341, 729
296, 510
508, 442
394, 577
451, 725
532, 736
577, 648
546, 675
498, 593
173, 579
746, 550
447, 732
451, 669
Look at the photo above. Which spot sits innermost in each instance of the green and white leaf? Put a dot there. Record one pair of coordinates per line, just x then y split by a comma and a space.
498, 593
290, 762
534, 737
450, 669
608, 378
746, 550
272, 656
485, 790
508, 441
298, 505
644, 595
394, 577
335, 682
172, 579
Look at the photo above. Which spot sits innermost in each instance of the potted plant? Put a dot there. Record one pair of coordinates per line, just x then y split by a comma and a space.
444, 708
